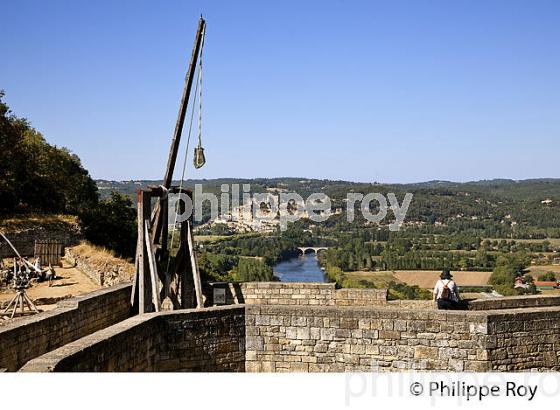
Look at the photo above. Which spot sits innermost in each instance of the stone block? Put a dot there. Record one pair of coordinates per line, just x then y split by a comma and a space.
426, 352
372, 349
255, 343
291, 332
315, 333
389, 334
328, 334
477, 366
303, 333
299, 321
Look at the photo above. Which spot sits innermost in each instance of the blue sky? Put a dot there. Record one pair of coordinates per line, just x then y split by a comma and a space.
358, 90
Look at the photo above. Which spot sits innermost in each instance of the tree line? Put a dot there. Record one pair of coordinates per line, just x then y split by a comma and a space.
37, 177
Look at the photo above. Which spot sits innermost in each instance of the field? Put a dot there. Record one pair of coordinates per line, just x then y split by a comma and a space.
379, 279
209, 238
427, 279
423, 279
536, 270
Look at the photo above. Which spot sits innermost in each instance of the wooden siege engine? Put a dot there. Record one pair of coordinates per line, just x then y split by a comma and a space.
162, 281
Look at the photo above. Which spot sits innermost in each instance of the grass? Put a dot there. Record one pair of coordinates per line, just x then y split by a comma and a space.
100, 254
209, 238
378, 279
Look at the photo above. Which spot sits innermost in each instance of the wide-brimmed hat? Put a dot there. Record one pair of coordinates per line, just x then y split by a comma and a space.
445, 274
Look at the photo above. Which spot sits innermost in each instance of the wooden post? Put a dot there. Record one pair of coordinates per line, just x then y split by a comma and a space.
133, 295
181, 258
140, 253
164, 206
194, 267
146, 211
153, 266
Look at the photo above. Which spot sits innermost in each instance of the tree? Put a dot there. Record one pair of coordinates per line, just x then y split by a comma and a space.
112, 224
506, 269
253, 270
36, 176
548, 276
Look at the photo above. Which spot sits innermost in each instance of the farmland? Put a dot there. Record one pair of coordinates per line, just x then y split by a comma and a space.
423, 279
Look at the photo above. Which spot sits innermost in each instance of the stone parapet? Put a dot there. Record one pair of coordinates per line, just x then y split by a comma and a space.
298, 293
514, 302
208, 340
73, 318
307, 338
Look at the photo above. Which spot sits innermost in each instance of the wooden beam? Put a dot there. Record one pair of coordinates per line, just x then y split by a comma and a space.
133, 299
146, 211
175, 142
181, 259
164, 206
194, 267
183, 105
153, 267
140, 253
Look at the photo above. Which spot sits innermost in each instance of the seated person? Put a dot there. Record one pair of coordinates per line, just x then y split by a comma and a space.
446, 293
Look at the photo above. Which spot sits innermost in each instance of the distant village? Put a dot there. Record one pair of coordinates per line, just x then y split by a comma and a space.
246, 218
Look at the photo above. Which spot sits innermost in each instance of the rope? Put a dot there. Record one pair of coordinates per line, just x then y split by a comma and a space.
188, 142
200, 92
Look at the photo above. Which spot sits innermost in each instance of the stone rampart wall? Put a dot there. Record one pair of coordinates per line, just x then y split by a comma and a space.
514, 302
305, 338
73, 318
337, 339
209, 340
24, 240
524, 339
206, 340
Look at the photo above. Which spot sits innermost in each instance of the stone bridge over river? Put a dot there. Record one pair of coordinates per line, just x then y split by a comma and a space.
313, 249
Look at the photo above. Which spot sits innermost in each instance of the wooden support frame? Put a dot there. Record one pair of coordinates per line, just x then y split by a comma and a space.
151, 283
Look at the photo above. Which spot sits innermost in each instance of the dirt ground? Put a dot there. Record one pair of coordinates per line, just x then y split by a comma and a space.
70, 282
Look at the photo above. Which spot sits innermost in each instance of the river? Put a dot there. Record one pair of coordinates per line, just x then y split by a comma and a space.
300, 269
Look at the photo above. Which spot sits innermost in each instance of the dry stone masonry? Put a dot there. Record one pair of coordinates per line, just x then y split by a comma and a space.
24, 240
74, 318
278, 332
293, 293
190, 340
108, 271
332, 339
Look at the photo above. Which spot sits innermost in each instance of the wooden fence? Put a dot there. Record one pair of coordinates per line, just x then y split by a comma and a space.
50, 251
